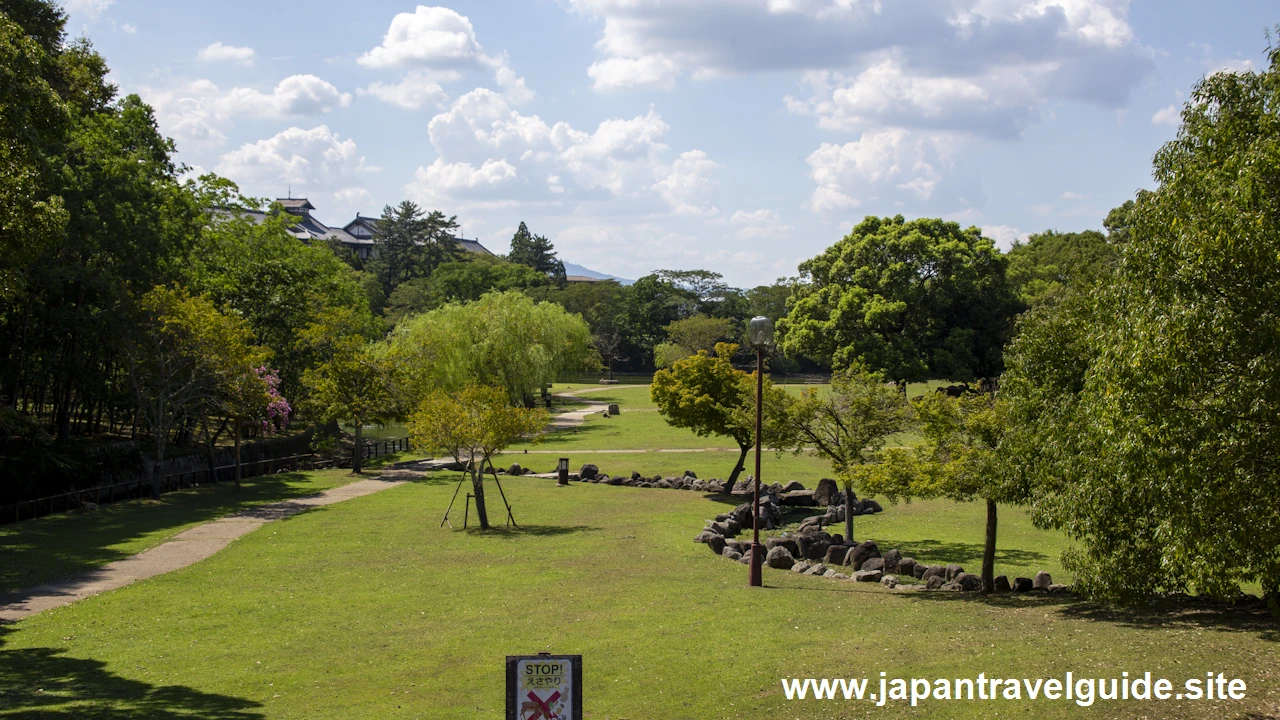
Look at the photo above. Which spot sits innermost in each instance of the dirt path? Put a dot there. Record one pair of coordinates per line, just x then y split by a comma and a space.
185, 548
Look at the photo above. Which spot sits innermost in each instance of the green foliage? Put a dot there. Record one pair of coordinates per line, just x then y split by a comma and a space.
916, 299
770, 300
706, 293
603, 305
503, 340
706, 394
1150, 432
411, 243
188, 358
1048, 262
471, 425
354, 381
280, 285
537, 252
461, 282
691, 336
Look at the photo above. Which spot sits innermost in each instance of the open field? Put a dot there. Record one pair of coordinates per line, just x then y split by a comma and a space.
369, 610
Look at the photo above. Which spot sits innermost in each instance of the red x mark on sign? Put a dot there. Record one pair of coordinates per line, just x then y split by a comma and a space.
543, 707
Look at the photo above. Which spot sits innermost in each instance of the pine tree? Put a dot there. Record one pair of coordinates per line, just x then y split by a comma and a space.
537, 252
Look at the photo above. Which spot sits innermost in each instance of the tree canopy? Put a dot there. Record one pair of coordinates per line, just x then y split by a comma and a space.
917, 299
537, 252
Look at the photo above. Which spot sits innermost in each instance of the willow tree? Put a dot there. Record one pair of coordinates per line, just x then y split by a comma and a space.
503, 340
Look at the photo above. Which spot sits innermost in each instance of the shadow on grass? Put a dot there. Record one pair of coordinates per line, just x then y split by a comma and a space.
505, 532
55, 546
1166, 617
45, 683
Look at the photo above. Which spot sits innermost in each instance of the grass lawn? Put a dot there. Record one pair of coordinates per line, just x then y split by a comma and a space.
55, 546
367, 609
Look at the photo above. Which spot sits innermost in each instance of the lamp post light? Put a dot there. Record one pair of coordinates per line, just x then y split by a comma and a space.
760, 333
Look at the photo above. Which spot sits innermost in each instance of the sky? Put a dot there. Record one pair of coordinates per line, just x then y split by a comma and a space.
739, 136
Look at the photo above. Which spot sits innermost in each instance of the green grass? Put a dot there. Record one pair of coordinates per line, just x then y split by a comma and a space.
55, 546
367, 609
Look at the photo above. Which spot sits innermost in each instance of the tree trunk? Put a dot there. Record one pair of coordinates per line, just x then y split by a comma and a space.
358, 458
737, 469
237, 432
989, 551
477, 487
848, 515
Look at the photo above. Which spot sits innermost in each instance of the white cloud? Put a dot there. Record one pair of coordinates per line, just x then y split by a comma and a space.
1171, 116
689, 188
893, 167
1214, 64
621, 73
1068, 195
412, 92
1004, 235
428, 37
128, 29
217, 52
311, 161
763, 223
490, 154
513, 87
86, 10
196, 113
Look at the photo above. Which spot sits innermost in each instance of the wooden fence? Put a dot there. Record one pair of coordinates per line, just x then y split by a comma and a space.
385, 447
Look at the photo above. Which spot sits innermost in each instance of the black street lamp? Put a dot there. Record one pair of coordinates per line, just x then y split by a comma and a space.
760, 333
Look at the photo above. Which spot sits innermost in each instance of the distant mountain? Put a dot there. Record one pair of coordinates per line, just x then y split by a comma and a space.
574, 269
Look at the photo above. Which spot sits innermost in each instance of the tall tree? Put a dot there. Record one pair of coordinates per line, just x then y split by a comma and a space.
398, 245
1048, 262
917, 299
707, 395
1159, 457
689, 336
537, 252
461, 282
353, 385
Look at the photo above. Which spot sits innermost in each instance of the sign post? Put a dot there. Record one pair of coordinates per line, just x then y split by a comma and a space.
544, 687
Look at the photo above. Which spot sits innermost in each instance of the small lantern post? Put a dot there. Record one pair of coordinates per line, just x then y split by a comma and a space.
563, 470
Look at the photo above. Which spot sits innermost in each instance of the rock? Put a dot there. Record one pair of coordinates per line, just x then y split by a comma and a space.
918, 571
600, 479
871, 506
779, 558
635, 475
1058, 588
953, 570
893, 561
732, 554
968, 583
828, 492
816, 569
706, 535
873, 564
742, 514
746, 559
691, 474
716, 543
515, 469
788, 543
715, 487
798, 498
889, 581
861, 553
907, 566
952, 586
800, 567
934, 571
616, 480
614, 409
831, 573
837, 539
792, 486
1022, 585
663, 484
722, 528
588, 471
933, 583
815, 548
835, 554
1001, 584
775, 488
868, 576
1042, 581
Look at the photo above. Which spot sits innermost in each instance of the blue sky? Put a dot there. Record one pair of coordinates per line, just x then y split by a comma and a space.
741, 136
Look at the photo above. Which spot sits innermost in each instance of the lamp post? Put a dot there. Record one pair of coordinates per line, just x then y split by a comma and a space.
760, 333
